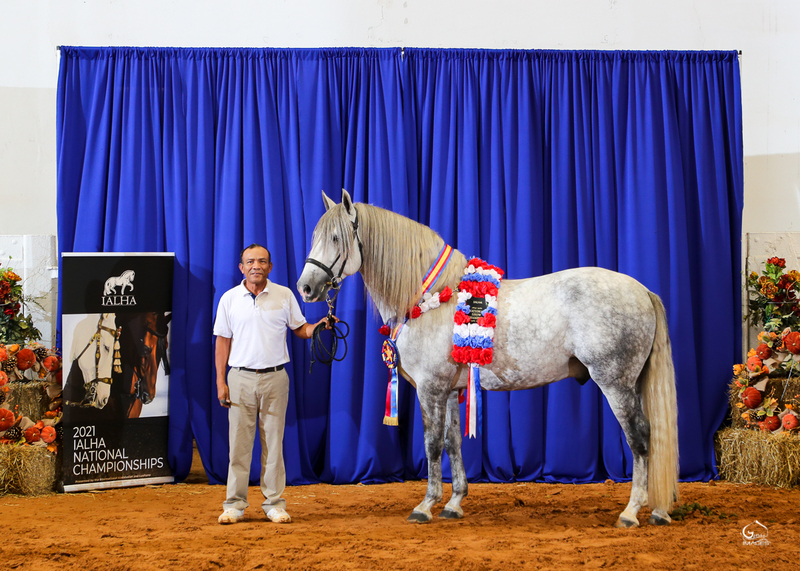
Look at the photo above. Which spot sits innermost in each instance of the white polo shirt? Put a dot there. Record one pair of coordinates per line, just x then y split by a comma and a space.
257, 326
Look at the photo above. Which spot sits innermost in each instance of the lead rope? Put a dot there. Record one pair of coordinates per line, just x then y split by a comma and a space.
319, 352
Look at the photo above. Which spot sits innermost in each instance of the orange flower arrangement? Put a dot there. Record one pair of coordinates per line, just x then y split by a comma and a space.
774, 296
15, 326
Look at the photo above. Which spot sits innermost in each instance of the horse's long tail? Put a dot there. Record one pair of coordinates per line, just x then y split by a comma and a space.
661, 408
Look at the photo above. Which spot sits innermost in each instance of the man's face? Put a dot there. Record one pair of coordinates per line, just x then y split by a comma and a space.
255, 266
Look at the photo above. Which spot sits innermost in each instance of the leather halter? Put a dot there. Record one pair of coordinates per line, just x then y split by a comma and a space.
335, 282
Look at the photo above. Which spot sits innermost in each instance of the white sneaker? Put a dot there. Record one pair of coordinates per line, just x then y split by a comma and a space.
278, 515
231, 515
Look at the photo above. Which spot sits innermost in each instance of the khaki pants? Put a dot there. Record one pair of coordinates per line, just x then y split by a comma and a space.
257, 399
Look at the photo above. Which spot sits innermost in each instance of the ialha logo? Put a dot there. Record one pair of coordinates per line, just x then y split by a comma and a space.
755, 534
123, 281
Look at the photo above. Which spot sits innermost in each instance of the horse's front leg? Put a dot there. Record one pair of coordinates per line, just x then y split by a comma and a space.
452, 444
433, 402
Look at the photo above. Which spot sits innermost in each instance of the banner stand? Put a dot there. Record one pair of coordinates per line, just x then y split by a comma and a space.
116, 310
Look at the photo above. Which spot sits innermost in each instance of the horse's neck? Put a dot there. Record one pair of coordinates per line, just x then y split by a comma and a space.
412, 253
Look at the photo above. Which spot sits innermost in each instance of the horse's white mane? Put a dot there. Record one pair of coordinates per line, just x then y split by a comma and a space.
398, 252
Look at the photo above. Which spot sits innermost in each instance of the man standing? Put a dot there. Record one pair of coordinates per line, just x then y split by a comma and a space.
251, 338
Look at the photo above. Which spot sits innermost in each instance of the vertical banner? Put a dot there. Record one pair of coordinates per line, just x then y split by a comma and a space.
116, 309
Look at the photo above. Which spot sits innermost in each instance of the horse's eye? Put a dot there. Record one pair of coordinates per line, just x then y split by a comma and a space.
334, 238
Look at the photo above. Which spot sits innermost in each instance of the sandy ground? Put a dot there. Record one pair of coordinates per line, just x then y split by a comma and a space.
507, 526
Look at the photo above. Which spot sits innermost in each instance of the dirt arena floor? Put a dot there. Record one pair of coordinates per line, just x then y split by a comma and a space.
507, 526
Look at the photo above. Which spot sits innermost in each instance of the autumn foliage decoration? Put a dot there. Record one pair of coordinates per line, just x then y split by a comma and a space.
764, 387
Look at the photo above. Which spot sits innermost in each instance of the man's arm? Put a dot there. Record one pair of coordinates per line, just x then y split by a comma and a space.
306, 330
222, 350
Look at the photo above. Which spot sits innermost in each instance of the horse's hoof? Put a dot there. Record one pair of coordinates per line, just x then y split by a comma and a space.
418, 517
625, 523
450, 514
656, 519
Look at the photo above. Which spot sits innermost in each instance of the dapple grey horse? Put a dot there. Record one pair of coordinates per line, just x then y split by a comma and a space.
582, 323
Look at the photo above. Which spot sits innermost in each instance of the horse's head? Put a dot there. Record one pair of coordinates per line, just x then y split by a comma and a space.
94, 346
336, 250
144, 346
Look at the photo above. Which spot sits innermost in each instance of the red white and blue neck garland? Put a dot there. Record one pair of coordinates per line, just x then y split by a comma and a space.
473, 330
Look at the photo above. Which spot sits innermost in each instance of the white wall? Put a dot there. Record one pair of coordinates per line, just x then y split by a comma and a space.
767, 32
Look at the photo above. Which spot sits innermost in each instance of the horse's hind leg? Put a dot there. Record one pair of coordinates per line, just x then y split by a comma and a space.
433, 402
627, 407
452, 444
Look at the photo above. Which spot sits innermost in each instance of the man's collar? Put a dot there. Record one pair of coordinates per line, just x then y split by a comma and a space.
248, 292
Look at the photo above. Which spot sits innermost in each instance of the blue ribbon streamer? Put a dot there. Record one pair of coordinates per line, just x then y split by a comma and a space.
394, 392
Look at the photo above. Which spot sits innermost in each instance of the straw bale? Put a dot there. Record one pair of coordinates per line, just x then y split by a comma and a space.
28, 399
27, 470
6, 468
755, 457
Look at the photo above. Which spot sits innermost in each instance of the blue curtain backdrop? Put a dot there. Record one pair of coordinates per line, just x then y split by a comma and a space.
536, 161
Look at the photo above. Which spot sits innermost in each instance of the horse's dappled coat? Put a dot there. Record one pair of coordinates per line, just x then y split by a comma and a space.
584, 322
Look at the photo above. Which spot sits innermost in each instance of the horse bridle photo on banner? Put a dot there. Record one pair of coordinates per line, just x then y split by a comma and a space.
90, 387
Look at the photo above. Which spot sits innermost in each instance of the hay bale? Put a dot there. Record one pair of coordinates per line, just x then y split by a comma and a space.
754, 457
27, 470
6, 468
28, 399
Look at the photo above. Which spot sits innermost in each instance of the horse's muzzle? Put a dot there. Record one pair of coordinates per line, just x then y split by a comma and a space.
312, 287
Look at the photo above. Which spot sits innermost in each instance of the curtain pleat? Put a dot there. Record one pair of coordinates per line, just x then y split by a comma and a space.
536, 161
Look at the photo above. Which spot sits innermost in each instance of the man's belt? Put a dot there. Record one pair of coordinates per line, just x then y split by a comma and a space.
262, 371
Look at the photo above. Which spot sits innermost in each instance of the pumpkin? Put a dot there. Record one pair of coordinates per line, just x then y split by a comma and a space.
751, 397
52, 363
763, 351
770, 423
3, 353
792, 342
754, 364
33, 434
790, 422
6, 419
48, 434
25, 359
3, 378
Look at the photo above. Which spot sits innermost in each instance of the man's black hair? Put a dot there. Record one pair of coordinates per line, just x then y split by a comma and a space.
250, 247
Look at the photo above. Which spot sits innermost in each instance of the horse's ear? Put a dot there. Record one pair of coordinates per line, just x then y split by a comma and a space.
347, 202
327, 201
